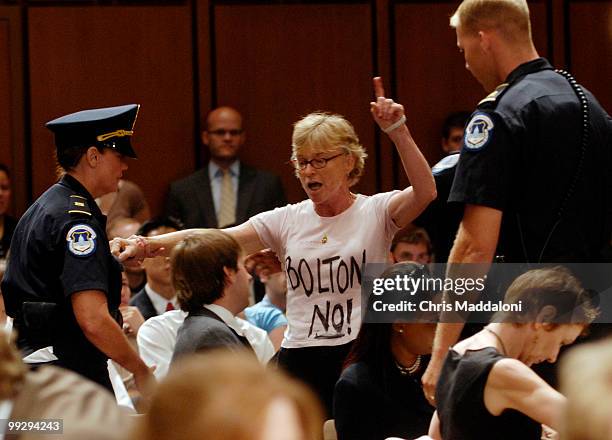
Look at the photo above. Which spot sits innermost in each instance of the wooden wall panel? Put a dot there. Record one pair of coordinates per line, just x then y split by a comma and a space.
87, 57
430, 71
277, 63
431, 76
12, 142
6, 138
590, 25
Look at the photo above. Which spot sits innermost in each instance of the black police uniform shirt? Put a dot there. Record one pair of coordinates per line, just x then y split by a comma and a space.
520, 154
59, 248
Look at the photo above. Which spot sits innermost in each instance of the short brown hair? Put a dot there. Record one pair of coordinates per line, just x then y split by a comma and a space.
509, 17
198, 264
550, 286
413, 236
224, 395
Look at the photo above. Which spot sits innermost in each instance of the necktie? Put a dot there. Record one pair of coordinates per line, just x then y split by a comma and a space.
169, 306
227, 210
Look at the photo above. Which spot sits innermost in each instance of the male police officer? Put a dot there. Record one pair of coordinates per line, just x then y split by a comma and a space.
534, 167
62, 286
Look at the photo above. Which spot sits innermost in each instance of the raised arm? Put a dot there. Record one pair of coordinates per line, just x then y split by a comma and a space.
407, 205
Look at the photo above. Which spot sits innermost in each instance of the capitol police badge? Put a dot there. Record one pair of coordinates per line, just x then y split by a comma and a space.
478, 132
81, 240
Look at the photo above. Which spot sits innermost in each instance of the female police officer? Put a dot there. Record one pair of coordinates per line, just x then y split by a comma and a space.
62, 286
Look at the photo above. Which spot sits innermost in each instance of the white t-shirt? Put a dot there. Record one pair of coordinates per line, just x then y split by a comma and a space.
323, 258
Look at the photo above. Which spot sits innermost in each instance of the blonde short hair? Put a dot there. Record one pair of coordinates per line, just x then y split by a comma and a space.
223, 395
586, 381
509, 17
325, 131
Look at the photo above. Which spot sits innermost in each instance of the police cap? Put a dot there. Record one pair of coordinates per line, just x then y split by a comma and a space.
109, 127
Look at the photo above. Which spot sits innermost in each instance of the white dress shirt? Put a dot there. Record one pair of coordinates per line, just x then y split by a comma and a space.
157, 337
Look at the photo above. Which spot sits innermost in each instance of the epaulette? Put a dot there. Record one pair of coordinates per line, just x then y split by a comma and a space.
78, 205
492, 97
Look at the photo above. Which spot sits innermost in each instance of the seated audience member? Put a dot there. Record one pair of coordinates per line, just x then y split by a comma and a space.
212, 286
269, 313
586, 381
229, 396
86, 410
7, 223
487, 388
379, 392
127, 202
157, 338
411, 245
157, 296
132, 320
124, 228
452, 131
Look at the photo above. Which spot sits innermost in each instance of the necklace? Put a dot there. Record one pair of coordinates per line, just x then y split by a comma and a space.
409, 371
503, 346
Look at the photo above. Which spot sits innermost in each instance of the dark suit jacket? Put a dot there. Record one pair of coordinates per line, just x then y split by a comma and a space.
204, 330
144, 304
190, 199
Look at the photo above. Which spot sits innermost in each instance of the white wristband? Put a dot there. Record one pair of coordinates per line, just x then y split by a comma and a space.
396, 124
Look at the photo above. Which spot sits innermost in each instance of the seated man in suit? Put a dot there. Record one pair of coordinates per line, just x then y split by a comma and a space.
157, 296
212, 286
225, 191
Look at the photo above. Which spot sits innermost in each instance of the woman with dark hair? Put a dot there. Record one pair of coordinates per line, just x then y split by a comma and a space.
379, 392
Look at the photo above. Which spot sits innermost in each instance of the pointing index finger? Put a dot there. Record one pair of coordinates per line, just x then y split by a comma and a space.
379, 90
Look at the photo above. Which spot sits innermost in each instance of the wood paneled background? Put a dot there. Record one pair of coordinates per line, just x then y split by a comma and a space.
273, 60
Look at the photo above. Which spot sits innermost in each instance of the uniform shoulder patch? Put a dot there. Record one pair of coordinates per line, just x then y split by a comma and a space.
478, 132
81, 240
78, 206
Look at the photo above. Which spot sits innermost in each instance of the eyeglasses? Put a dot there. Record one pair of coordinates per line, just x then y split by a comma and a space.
222, 132
317, 162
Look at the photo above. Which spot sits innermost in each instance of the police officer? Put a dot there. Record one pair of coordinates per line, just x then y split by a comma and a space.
535, 163
62, 286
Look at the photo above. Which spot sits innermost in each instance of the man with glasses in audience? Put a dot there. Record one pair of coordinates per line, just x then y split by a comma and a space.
225, 191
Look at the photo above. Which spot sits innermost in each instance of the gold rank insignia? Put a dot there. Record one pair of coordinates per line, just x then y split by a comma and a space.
495, 93
78, 205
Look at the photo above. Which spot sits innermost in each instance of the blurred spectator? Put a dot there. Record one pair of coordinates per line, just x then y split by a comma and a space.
452, 131
85, 409
411, 245
586, 381
225, 191
157, 296
7, 223
124, 228
229, 396
127, 202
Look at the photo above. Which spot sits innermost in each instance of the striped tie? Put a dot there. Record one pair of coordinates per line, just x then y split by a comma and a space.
227, 210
